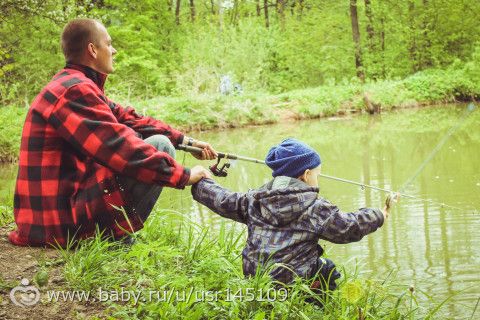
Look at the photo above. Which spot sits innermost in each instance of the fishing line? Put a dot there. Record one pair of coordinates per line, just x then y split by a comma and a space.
466, 113
363, 186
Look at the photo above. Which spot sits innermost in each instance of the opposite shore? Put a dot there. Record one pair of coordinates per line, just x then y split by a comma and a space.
208, 112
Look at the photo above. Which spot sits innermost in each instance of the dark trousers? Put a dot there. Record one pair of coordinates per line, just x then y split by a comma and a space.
144, 195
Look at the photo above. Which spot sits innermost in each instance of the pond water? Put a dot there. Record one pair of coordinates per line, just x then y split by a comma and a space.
434, 248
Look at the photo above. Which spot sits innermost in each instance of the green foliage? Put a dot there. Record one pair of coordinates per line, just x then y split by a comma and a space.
309, 46
12, 119
302, 66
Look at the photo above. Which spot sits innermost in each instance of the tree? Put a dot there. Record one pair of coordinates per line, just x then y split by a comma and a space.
372, 41
356, 40
281, 13
426, 54
192, 10
177, 12
412, 47
265, 11
370, 29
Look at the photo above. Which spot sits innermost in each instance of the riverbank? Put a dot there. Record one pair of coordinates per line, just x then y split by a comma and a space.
210, 112
180, 270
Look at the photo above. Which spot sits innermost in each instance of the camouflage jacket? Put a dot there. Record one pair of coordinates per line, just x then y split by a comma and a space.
285, 219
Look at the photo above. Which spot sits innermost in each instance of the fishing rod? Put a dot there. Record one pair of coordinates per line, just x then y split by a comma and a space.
222, 172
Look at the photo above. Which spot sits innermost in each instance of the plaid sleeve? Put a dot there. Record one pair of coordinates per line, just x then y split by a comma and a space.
228, 204
337, 227
86, 121
146, 126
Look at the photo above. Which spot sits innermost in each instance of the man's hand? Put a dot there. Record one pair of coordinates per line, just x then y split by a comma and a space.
208, 152
197, 173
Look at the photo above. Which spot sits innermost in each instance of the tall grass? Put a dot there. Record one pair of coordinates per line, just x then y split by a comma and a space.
187, 271
6, 215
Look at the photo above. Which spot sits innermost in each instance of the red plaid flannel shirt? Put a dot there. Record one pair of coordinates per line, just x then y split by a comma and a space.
75, 141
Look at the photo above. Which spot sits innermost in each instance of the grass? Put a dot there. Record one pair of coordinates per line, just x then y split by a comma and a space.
185, 271
12, 119
6, 215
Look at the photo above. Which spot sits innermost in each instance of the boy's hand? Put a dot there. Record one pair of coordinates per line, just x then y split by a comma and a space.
386, 212
389, 201
197, 173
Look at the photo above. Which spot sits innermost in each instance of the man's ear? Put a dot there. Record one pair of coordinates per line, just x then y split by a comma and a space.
92, 51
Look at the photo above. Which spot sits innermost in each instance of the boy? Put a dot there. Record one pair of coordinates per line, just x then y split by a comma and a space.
286, 218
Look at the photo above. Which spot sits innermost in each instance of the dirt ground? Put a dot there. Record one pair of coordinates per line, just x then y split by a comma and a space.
17, 263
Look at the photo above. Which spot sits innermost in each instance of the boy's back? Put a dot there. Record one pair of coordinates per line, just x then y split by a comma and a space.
285, 220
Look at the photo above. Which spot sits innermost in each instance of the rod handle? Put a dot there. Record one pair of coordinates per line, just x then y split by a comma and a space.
197, 150
189, 148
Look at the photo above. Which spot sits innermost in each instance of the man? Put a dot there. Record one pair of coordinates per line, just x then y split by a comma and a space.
84, 165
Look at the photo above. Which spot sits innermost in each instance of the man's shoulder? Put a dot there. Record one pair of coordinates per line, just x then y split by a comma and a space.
67, 78
63, 81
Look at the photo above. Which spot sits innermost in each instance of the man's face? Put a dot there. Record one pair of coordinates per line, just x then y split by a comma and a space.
105, 51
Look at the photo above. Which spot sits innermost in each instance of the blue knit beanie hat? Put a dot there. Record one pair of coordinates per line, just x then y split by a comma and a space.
291, 158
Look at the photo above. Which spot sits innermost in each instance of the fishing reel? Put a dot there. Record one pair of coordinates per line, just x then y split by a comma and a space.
219, 171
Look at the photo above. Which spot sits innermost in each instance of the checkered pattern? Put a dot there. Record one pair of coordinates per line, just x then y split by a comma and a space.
285, 224
75, 143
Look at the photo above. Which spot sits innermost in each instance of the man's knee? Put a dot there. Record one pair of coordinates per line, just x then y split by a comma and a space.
161, 143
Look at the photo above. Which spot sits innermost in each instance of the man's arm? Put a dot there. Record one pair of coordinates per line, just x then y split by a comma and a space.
144, 125
337, 227
148, 126
231, 205
86, 121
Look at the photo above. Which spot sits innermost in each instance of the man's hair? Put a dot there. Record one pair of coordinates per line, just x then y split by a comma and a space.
76, 36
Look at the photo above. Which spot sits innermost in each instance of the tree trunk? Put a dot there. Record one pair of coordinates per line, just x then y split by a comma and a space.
192, 10
98, 3
300, 9
177, 12
370, 29
265, 11
212, 6
234, 16
372, 46
426, 60
356, 40
412, 48
259, 11
281, 13
382, 46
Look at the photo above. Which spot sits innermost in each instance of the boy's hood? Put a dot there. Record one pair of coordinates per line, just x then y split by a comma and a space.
284, 200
